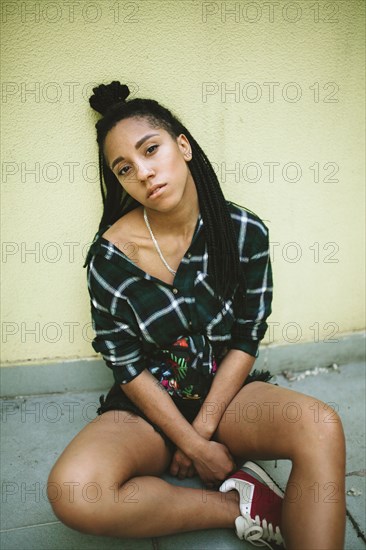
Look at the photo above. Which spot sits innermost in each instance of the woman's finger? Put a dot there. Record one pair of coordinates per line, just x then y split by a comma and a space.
183, 472
174, 467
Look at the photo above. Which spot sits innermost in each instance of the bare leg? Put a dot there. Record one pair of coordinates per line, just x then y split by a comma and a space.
266, 422
105, 483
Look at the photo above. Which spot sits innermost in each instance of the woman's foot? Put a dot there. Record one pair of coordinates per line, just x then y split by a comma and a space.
260, 505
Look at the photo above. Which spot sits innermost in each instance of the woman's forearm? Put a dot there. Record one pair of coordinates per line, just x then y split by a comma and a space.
161, 410
211, 460
230, 377
146, 392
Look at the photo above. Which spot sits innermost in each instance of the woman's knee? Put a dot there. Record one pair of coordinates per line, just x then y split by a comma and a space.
80, 498
320, 430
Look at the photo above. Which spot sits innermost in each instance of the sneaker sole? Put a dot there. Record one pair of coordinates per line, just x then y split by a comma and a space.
262, 474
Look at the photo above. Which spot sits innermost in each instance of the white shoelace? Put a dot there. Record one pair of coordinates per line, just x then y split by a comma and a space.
256, 530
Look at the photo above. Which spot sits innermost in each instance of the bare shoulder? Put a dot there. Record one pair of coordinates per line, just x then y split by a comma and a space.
126, 233
124, 228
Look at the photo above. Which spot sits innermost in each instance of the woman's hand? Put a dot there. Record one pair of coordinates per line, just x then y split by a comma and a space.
213, 463
181, 465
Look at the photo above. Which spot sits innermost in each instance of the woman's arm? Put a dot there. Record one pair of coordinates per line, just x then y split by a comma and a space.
230, 377
228, 380
211, 460
249, 327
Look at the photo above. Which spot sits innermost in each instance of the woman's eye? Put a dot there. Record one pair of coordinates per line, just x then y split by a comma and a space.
123, 171
151, 149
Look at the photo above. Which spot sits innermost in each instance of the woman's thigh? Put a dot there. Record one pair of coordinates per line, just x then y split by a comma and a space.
265, 421
107, 452
94, 483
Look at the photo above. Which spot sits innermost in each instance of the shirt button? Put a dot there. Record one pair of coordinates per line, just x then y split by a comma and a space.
190, 323
189, 255
175, 291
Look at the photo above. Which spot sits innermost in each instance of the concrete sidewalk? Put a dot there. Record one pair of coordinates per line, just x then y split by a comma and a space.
36, 429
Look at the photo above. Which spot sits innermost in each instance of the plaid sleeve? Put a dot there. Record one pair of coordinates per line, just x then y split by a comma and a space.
250, 326
114, 323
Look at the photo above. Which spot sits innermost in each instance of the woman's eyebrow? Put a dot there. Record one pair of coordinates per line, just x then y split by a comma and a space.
137, 145
143, 139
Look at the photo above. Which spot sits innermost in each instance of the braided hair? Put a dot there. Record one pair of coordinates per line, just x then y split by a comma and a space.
223, 256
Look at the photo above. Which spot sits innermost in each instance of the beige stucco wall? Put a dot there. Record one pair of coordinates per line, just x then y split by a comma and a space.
270, 82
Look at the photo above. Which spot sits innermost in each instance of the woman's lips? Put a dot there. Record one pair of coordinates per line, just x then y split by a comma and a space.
158, 191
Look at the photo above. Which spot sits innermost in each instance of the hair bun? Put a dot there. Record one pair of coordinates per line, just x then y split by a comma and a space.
107, 95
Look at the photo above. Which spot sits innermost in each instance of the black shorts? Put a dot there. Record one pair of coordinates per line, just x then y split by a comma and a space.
117, 400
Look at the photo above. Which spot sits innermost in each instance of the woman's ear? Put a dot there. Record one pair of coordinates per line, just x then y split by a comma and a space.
184, 146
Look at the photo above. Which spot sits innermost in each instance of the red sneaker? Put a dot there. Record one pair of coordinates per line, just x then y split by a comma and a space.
260, 505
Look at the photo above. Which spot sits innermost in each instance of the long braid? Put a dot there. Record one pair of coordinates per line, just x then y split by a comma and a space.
220, 234
100, 159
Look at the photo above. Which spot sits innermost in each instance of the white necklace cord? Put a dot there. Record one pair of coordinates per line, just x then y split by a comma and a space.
157, 246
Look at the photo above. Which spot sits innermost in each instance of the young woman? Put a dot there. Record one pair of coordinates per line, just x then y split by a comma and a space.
180, 285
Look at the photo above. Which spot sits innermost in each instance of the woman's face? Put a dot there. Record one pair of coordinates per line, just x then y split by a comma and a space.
149, 164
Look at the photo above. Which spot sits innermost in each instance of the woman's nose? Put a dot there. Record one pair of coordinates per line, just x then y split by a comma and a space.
144, 171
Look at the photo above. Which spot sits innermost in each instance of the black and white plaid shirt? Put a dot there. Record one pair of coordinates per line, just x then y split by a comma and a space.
134, 313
